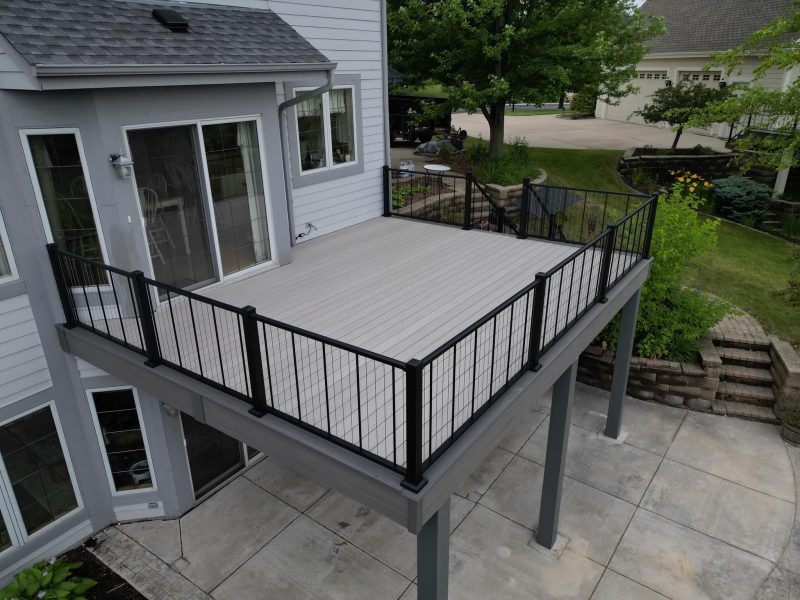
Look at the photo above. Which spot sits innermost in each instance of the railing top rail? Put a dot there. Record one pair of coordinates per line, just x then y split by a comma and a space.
453, 174
92, 262
593, 191
193, 295
577, 253
636, 210
333, 342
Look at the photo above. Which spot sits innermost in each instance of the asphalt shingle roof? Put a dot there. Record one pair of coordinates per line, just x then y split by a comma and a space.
112, 32
711, 25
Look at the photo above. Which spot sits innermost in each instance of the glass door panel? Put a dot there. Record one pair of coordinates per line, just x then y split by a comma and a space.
237, 192
5, 536
213, 456
176, 221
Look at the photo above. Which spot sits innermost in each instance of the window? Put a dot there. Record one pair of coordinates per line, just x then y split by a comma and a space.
7, 267
5, 536
119, 428
326, 130
64, 193
36, 472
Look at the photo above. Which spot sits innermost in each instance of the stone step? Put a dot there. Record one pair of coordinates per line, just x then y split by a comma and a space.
749, 375
748, 394
743, 341
750, 411
745, 358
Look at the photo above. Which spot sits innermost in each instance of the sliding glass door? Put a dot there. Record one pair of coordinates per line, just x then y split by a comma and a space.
201, 192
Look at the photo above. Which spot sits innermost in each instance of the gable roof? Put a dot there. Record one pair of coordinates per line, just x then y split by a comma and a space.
95, 33
710, 25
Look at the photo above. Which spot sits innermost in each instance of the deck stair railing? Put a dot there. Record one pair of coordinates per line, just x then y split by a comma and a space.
402, 415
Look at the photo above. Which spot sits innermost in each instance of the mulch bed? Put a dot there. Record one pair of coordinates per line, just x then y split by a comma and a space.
110, 586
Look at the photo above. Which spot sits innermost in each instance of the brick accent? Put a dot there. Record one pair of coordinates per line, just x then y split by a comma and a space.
786, 375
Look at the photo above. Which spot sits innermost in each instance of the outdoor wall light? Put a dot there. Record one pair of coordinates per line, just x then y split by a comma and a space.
668, 83
723, 85
122, 164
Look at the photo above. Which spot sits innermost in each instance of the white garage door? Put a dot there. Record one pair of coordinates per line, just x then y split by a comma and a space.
647, 82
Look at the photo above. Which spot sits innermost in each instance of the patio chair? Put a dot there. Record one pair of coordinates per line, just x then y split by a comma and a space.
157, 230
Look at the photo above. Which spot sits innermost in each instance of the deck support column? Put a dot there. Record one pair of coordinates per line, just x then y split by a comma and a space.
433, 555
557, 438
622, 365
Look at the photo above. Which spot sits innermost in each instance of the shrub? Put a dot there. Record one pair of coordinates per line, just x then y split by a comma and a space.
478, 151
672, 319
643, 180
519, 147
583, 102
742, 200
790, 227
48, 581
792, 291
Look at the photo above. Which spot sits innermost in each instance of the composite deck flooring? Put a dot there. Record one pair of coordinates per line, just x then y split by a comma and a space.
393, 286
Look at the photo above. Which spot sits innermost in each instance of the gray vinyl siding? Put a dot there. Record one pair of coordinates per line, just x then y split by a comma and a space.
23, 369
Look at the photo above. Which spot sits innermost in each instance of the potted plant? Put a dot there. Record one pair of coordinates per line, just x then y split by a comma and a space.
790, 426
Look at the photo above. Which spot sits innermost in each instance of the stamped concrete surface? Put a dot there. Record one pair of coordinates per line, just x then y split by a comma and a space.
684, 506
552, 131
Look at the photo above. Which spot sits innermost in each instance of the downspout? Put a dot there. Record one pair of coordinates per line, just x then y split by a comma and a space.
284, 146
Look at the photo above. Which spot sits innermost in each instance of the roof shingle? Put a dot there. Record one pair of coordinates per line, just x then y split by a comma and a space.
711, 25
113, 32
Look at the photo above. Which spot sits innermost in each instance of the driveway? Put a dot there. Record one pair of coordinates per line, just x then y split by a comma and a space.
688, 506
552, 131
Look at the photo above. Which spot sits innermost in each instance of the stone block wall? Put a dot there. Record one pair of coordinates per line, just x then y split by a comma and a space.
693, 385
785, 371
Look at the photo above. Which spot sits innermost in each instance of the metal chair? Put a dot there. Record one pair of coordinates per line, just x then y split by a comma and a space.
157, 230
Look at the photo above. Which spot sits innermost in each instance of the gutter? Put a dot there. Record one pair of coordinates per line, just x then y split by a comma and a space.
284, 150
78, 70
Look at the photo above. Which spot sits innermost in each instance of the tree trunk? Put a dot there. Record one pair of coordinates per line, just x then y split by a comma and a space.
496, 118
677, 137
561, 100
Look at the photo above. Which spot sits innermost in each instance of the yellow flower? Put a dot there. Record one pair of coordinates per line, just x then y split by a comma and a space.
691, 189
694, 176
706, 185
680, 179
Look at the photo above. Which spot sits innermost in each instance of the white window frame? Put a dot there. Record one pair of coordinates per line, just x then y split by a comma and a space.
37, 189
14, 522
326, 128
220, 276
12, 265
104, 451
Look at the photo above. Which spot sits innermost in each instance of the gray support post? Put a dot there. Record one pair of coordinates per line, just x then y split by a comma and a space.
557, 438
433, 555
622, 365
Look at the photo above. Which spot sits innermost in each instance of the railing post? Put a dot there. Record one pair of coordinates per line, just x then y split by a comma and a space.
535, 342
414, 480
501, 219
146, 319
651, 223
387, 192
468, 201
255, 371
70, 318
524, 209
605, 269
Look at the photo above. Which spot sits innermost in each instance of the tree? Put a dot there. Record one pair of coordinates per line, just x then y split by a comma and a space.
485, 52
677, 104
777, 110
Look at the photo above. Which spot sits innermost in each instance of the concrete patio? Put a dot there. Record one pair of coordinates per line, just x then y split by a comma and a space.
685, 506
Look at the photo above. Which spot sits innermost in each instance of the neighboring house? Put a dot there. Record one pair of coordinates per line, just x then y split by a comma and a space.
161, 165
696, 29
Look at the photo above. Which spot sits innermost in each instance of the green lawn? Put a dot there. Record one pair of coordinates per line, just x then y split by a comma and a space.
430, 89
749, 269
591, 169
532, 112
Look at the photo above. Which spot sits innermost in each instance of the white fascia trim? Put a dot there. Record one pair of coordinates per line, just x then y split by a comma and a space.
176, 69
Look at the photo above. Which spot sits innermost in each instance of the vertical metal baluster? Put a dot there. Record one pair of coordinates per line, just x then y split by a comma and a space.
605, 211
474, 371
394, 417
296, 379
525, 331
558, 300
196, 341
325, 375
269, 368
219, 346
136, 315
430, 409
174, 328
580, 287
453, 410
358, 405
494, 343
583, 220
119, 310
85, 295
238, 318
510, 337
571, 282
100, 299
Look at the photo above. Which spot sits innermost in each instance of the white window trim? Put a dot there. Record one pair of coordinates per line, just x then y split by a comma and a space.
24, 134
221, 278
12, 265
103, 449
326, 128
7, 492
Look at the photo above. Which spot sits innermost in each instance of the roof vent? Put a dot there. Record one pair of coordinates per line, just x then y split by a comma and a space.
171, 19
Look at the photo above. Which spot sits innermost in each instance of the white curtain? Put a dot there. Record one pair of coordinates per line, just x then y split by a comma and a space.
310, 108
247, 139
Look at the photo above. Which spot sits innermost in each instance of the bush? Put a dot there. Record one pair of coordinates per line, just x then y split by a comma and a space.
742, 200
48, 581
792, 291
672, 319
583, 102
644, 181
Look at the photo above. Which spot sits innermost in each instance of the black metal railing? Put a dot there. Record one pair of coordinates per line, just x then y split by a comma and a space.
762, 123
403, 415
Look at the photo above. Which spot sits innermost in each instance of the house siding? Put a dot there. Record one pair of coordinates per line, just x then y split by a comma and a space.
23, 368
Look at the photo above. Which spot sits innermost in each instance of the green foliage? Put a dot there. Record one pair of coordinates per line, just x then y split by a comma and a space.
478, 151
677, 104
643, 180
790, 226
484, 52
401, 194
48, 581
672, 319
509, 170
742, 200
791, 418
584, 102
792, 291
519, 147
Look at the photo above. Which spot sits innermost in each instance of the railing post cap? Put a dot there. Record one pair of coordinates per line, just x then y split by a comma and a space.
248, 310
526, 180
137, 273
541, 275
413, 363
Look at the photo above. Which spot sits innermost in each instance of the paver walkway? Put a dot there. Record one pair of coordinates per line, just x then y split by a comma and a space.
687, 506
